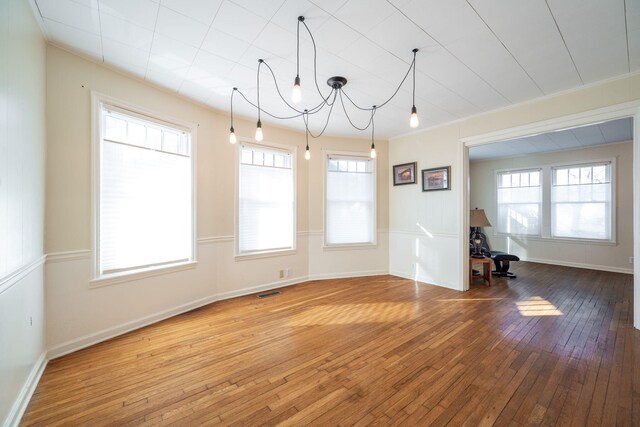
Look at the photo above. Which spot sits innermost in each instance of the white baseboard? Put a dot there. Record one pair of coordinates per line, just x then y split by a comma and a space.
23, 398
403, 275
579, 265
260, 288
421, 280
106, 334
346, 275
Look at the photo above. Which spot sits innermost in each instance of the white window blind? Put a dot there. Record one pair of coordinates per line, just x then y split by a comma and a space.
266, 200
581, 201
519, 195
146, 208
350, 204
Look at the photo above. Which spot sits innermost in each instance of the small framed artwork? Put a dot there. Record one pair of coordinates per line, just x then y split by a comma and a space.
404, 173
436, 179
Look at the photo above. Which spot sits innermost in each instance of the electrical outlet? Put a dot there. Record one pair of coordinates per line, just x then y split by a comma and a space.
30, 320
284, 274
630, 260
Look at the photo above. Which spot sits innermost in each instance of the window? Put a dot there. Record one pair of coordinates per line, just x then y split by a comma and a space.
350, 216
266, 202
519, 202
145, 212
581, 201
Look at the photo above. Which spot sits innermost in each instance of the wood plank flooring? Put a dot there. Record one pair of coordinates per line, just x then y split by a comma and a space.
555, 346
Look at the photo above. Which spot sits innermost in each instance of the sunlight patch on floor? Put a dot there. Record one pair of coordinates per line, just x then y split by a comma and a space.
537, 306
471, 299
346, 314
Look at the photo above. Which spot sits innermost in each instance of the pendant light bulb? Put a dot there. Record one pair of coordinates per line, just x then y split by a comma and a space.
414, 122
232, 136
373, 151
296, 94
259, 135
307, 154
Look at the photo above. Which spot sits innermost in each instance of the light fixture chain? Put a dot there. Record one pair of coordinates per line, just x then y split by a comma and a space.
337, 85
273, 115
298, 49
260, 61
328, 117
349, 118
315, 59
413, 65
232, 93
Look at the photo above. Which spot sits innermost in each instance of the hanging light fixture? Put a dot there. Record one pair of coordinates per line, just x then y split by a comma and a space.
259, 135
232, 131
373, 144
337, 92
413, 120
307, 152
296, 94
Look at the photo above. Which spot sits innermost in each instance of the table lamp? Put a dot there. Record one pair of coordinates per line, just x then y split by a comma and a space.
478, 219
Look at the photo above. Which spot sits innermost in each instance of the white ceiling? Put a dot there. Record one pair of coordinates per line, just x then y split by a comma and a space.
475, 55
580, 137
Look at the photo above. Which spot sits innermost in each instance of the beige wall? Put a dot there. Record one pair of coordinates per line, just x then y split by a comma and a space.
436, 258
79, 314
612, 257
70, 82
22, 149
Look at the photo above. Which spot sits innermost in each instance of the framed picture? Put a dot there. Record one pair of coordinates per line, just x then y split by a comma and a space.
436, 179
404, 173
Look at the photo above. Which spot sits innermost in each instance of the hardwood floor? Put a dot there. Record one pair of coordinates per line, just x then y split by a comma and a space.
555, 346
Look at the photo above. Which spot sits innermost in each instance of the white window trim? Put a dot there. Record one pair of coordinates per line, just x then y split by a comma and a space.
326, 153
141, 273
614, 210
545, 221
98, 280
293, 150
497, 172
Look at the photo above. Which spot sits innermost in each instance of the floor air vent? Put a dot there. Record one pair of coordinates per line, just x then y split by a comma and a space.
270, 294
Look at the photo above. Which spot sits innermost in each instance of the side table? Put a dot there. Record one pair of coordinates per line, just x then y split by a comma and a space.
486, 268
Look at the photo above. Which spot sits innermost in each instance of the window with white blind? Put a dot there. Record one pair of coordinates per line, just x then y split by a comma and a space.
350, 208
581, 201
145, 201
519, 197
266, 199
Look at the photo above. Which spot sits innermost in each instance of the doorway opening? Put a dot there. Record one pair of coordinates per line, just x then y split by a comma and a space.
560, 191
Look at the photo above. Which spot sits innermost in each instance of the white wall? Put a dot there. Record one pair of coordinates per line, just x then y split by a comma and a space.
424, 226
22, 130
437, 258
599, 256
77, 314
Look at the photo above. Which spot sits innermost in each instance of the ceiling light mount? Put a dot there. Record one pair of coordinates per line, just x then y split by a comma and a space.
337, 82
336, 94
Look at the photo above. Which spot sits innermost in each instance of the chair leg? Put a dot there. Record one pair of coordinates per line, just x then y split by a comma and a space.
502, 269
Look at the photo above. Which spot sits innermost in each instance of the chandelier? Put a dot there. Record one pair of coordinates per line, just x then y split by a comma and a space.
337, 93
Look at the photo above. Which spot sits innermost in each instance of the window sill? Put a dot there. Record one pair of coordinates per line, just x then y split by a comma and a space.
349, 246
558, 240
264, 254
113, 279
